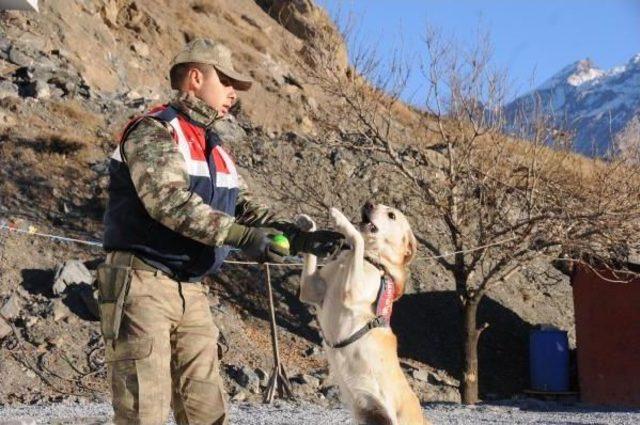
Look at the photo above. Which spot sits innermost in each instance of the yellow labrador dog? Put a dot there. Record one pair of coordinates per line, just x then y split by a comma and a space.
354, 295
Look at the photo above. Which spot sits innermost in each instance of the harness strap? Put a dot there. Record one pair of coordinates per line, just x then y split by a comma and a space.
378, 322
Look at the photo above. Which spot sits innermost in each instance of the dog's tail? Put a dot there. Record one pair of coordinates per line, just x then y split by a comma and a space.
371, 411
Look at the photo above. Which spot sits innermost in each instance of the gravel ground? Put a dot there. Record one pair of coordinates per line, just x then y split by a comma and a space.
523, 412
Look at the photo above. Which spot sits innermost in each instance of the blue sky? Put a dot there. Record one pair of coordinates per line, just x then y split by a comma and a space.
534, 39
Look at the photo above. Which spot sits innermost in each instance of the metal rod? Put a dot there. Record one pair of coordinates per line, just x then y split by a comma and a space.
278, 382
272, 312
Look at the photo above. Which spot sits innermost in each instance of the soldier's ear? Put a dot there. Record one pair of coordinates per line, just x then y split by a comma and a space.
195, 78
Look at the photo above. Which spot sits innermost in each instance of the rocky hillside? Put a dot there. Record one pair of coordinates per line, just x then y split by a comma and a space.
593, 103
73, 74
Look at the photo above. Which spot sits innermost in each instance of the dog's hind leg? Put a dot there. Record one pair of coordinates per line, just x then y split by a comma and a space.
369, 410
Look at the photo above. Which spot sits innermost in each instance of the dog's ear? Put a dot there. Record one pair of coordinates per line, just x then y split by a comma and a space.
410, 246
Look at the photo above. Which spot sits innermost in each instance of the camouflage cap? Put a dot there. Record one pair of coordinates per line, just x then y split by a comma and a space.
203, 50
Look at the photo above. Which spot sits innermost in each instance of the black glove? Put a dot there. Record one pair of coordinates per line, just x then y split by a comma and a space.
322, 243
256, 243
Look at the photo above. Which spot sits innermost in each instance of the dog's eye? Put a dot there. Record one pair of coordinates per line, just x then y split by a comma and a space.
392, 216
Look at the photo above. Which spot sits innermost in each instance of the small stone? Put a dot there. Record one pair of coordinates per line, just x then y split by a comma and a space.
6, 119
8, 89
263, 376
310, 102
5, 328
312, 351
229, 130
71, 272
246, 377
140, 48
59, 310
42, 90
19, 58
331, 392
421, 375
11, 308
310, 380
306, 126
240, 396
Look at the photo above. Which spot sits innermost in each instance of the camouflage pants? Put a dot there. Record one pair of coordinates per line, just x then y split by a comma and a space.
166, 355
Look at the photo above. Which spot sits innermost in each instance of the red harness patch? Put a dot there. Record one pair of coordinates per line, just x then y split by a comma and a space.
386, 295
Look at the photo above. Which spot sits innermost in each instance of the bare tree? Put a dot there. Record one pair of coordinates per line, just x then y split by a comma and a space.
487, 194
626, 143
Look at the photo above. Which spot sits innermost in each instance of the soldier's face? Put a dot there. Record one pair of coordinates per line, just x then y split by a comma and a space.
216, 91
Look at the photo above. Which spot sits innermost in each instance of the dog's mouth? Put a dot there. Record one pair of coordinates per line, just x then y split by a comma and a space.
367, 224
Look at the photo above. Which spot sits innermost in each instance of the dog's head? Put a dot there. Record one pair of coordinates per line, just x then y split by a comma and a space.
388, 237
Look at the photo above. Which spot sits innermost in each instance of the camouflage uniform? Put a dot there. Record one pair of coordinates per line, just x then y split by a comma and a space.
159, 175
163, 353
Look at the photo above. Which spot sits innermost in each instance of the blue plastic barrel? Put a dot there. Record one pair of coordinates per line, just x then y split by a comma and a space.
549, 360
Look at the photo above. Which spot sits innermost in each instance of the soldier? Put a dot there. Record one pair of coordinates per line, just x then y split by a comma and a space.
176, 207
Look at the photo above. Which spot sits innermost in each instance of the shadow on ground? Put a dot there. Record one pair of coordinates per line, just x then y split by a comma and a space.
428, 327
245, 286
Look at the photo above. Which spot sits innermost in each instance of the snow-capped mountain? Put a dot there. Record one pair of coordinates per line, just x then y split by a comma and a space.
593, 103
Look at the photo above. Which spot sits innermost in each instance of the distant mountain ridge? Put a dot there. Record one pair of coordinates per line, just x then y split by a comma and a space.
593, 103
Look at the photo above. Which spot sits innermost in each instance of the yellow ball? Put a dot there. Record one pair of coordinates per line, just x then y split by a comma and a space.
281, 241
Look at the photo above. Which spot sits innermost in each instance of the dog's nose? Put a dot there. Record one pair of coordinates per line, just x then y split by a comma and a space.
368, 206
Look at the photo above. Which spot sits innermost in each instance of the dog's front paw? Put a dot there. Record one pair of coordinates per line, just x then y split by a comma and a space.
305, 223
342, 222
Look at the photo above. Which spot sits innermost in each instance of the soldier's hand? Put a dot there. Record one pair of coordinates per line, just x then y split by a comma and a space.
257, 243
322, 243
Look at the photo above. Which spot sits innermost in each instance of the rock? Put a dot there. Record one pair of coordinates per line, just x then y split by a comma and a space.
312, 351
11, 308
41, 90
7, 120
310, 380
19, 58
8, 89
5, 328
263, 376
31, 321
239, 396
59, 310
420, 375
72, 272
5, 46
245, 377
109, 13
140, 48
331, 392
441, 378
311, 102
306, 126
229, 130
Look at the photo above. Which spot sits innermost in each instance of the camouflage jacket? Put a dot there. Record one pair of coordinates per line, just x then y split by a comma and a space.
159, 175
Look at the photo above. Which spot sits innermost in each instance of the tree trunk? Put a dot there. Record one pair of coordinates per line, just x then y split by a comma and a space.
471, 333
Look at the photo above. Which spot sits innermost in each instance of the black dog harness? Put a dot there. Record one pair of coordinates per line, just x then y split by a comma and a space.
383, 307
